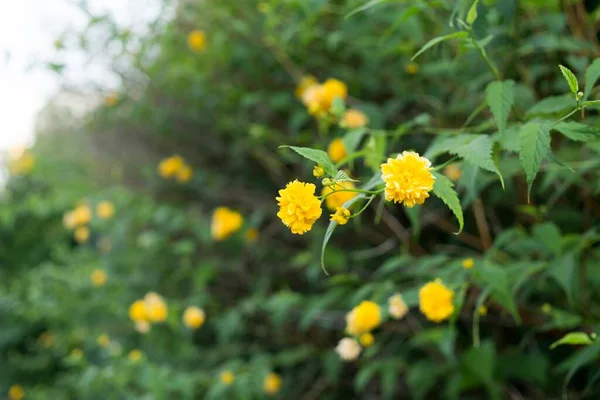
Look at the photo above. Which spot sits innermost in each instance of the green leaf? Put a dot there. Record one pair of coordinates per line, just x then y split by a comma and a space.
577, 131
534, 145
571, 79
444, 190
552, 105
318, 156
592, 73
365, 6
549, 234
501, 97
434, 41
496, 279
578, 360
563, 270
573, 338
342, 176
352, 139
480, 362
472, 14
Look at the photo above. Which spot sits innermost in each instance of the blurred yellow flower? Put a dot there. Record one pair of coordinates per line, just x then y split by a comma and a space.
225, 222
336, 150
156, 307
304, 84
82, 234
272, 383
333, 88
318, 171
251, 235
137, 311
142, 326
435, 301
16, 392
397, 307
341, 215
82, 215
338, 197
227, 377
299, 208
363, 318
482, 310
353, 119
408, 178
111, 100
105, 210
197, 40
135, 355
76, 353
366, 339
348, 349
412, 68
103, 340
194, 317
98, 277
319, 98
69, 220
46, 339
22, 164
453, 172
468, 263
169, 166
184, 174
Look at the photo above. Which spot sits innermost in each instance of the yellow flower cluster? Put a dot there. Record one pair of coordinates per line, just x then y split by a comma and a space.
196, 40
151, 309
435, 301
78, 219
363, 318
299, 208
175, 167
194, 317
408, 179
98, 277
225, 222
318, 98
21, 162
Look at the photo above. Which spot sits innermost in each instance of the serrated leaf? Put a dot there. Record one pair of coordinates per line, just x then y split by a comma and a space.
318, 156
571, 79
592, 73
365, 6
577, 131
443, 188
552, 105
497, 280
439, 39
573, 338
534, 145
352, 139
500, 96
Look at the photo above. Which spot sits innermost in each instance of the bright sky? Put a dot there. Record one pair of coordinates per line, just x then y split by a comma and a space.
28, 29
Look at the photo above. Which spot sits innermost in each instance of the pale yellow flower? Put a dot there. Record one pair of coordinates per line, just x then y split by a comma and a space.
142, 326
397, 307
82, 234
304, 84
299, 208
348, 349
225, 222
156, 307
353, 119
453, 172
408, 179
435, 301
194, 317
82, 215
363, 318
22, 164
105, 210
98, 277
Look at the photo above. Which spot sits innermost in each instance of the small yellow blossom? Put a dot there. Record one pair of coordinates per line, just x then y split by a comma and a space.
408, 179
227, 377
340, 197
332, 89
69, 220
76, 353
348, 349
22, 164
46, 339
318, 171
453, 172
482, 310
105, 210
251, 235
341, 215
98, 277
16, 392
111, 100
299, 208
468, 263
412, 68
435, 301
137, 311
304, 84
156, 307
353, 119
225, 222
169, 166
319, 98
184, 174
82, 215
197, 40
194, 317
82, 234
336, 150
367, 339
142, 326
272, 383
135, 355
397, 307
363, 318
103, 340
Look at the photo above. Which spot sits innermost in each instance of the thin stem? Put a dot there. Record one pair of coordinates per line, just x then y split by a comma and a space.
450, 161
486, 58
351, 190
568, 115
364, 208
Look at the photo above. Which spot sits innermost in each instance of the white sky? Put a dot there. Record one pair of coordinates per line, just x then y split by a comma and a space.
28, 29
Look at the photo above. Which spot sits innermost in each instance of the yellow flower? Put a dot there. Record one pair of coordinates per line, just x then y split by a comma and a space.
225, 222
184, 174
137, 311
46, 339
16, 392
336, 150
111, 100
363, 318
319, 98
251, 235
169, 166
142, 326
82, 234
367, 339
304, 84
82, 215
69, 220
103, 340
98, 277
227, 377
22, 164
340, 197
318, 171
333, 88
135, 355
299, 208
453, 172
272, 383
194, 317
105, 210
397, 307
341, 215
353, 119
435, 301
348, 349
197, 40
468, 263
482, 310
408, 178
77, 353
412, 68
156, 307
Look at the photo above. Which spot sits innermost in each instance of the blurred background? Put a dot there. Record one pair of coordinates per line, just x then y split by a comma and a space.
140, 252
